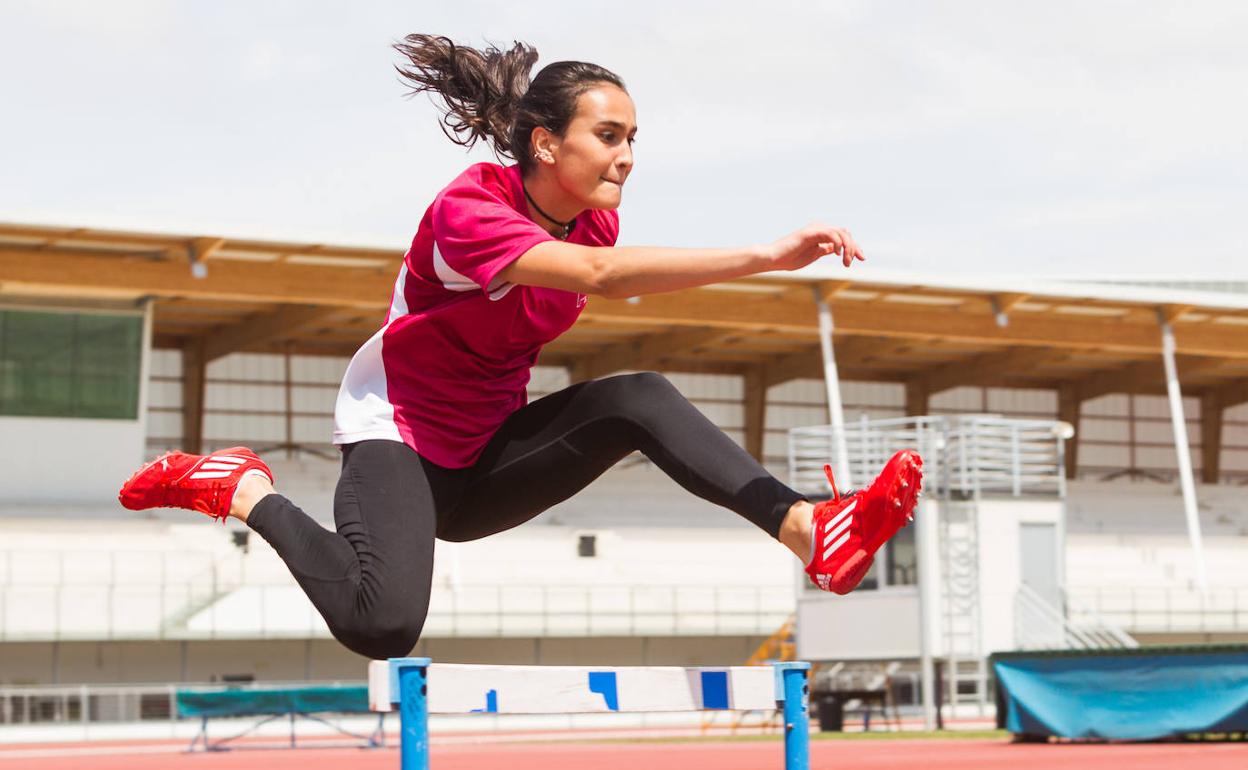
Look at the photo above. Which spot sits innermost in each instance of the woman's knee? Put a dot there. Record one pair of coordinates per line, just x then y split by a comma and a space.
637, 392
382, 636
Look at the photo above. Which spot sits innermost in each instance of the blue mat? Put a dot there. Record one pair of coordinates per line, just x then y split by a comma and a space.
1142, 694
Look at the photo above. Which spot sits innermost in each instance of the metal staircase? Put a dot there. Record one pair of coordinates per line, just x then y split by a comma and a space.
965, 458
966, 671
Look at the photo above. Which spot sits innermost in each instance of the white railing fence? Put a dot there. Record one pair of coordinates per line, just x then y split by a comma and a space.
1039, 625
963, 455
1167, 610
281, 611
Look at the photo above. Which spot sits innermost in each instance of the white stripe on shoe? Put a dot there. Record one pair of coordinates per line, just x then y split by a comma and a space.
215, 466
837, 532
835, 546
840, 516
211, 474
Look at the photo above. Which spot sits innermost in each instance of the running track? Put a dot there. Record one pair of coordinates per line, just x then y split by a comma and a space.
825, 755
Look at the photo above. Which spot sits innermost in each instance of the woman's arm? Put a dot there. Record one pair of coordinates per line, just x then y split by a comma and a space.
629, 271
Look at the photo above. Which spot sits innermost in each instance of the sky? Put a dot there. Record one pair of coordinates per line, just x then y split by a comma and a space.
1056, 138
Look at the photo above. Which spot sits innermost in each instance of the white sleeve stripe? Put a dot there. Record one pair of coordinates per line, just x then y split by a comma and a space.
448, 276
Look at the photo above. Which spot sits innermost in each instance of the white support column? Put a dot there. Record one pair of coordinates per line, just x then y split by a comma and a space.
832, 381
926, 535
1186, 480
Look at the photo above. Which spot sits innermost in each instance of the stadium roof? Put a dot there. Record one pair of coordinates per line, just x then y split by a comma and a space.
219, 295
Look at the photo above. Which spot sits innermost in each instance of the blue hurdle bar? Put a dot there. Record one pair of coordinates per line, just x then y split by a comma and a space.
409, 690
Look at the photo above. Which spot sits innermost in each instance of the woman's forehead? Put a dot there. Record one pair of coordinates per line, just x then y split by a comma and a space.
607, 104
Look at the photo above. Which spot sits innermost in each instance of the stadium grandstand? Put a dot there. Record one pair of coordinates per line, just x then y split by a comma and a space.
116, 346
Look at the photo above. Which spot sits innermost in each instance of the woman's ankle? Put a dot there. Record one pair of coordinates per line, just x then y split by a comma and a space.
251, 489
795, 529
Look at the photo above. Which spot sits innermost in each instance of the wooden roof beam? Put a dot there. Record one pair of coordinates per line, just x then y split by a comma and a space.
1140, 376
978, 369
264, 329
1233, 393
645, 353
90, 274
908, 322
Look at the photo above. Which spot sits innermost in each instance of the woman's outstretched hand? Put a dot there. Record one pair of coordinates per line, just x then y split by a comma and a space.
813, 241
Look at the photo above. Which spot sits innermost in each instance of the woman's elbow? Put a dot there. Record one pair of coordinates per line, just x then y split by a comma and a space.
604, 281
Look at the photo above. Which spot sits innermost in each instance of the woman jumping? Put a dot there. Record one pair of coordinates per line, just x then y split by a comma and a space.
437, 439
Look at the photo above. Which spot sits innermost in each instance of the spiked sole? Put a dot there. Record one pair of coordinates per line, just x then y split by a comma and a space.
851, 572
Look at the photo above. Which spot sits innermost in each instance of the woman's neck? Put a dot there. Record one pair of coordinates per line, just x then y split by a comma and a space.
556, 209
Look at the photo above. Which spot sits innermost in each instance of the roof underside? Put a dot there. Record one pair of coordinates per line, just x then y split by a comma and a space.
322, 299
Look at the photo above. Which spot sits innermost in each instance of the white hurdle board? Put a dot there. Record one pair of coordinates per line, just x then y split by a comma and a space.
463, 689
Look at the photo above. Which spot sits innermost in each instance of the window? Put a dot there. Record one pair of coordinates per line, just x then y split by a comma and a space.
587, 546
900, 558
69, 364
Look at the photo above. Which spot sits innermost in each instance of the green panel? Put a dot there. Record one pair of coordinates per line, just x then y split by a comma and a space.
69, 365
38, 356
342, 699
106, 376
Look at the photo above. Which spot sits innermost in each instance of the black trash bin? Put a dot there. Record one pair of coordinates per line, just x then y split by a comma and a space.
831, 712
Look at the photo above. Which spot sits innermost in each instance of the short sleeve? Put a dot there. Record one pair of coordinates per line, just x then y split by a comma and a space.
476, 234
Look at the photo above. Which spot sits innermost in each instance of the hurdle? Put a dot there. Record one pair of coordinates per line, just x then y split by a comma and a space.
418, 687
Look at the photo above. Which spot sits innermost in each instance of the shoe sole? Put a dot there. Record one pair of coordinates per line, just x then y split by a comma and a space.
907, 484
852, 572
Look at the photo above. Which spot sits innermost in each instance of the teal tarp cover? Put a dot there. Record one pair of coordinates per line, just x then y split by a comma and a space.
244, 702
1126, 695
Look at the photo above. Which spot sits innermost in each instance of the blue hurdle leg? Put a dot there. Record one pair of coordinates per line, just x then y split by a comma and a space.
409, 683
796, 715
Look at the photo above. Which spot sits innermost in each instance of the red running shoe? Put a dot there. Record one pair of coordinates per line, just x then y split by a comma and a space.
847, 531
203, 483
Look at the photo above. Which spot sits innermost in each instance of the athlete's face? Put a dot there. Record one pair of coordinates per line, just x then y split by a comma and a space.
595, 154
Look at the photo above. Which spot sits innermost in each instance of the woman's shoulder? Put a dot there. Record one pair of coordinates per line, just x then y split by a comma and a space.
490, 178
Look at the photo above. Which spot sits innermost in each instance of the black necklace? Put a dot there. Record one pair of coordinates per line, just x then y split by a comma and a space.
567, 226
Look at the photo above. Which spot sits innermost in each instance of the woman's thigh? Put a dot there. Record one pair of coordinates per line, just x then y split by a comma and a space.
543, 454
387, 506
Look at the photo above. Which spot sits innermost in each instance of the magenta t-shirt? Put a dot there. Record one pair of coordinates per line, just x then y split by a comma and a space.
453, 358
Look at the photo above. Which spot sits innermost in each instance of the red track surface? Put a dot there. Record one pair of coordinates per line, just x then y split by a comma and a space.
825, 755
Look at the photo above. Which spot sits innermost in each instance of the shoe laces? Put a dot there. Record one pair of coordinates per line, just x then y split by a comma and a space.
193, 499
836, 495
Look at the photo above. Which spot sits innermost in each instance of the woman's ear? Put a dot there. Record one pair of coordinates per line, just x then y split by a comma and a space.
545, 145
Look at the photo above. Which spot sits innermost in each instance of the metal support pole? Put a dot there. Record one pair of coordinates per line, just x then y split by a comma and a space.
831, 380
926, 533
1186, 481
796, 714
409, 682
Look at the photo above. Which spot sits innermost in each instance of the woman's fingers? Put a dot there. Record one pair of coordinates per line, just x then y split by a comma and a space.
830, 240
852, 250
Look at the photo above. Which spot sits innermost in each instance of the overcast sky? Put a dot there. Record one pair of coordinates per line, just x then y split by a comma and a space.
1047, 138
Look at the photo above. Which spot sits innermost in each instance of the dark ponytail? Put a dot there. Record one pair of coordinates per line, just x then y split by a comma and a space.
488, 95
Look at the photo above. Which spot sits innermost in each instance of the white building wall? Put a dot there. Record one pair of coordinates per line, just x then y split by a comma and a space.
1000, 563
884, 624
46, 462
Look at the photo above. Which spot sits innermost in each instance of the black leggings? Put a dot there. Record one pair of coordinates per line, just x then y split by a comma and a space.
371, 578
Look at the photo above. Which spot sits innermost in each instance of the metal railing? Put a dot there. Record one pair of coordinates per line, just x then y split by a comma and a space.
282, 611
104, 703
1168, 610
1040, 625
963, 455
